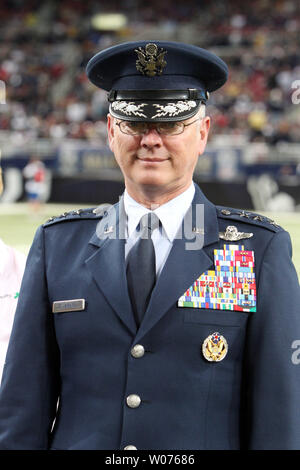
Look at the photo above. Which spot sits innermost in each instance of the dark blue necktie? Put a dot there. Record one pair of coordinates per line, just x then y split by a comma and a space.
141, 271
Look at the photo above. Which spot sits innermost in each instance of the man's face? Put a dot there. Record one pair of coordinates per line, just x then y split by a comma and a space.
154, 162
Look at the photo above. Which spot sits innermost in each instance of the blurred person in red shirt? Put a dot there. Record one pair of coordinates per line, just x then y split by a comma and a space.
34, 174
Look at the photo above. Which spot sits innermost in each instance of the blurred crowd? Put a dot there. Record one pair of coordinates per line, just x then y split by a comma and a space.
45, 47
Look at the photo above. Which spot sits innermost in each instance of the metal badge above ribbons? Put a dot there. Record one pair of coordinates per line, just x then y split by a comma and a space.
232, 234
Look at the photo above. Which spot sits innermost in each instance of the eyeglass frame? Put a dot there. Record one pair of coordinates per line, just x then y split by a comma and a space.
156, 123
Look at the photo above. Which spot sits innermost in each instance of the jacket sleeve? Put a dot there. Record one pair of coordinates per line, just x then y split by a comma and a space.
30, 382
272, 376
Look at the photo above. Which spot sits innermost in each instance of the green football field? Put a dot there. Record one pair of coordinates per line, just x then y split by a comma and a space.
18, 225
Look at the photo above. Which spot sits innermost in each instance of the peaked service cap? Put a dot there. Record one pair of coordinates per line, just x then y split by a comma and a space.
156, 80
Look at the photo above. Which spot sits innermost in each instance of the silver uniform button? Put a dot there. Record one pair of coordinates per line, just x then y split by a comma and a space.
130, 447
137, 351
133, 401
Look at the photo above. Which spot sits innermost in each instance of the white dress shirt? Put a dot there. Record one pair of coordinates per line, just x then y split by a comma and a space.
170, 214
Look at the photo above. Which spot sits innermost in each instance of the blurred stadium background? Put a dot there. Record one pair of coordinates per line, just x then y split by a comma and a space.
49, 110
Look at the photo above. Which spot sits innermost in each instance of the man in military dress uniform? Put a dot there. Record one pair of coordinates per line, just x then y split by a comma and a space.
165, 322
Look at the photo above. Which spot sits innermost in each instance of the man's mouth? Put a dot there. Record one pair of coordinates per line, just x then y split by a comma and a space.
152, 159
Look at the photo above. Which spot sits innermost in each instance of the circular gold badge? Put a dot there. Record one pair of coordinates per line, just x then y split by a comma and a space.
214, 347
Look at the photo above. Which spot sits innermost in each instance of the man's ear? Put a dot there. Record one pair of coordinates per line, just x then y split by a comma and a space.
204, 130
110, 131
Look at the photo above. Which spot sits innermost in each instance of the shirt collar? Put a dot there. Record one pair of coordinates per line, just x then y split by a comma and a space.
170, 214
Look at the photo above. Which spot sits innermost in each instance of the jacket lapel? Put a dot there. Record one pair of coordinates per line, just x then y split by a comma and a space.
107, 264
184, 264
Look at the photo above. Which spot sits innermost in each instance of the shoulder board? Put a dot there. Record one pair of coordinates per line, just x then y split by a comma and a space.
248, 217
79, 214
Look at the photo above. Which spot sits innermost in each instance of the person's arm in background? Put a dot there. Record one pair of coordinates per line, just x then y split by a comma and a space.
12, 264
30, 381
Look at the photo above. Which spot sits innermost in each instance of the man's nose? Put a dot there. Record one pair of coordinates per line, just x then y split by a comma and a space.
151, 138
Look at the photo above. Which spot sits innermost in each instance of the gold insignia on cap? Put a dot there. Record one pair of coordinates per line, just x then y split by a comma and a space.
150, 60
214, 347
232, 234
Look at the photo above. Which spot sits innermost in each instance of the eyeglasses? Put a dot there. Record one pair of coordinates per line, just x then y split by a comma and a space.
163, 128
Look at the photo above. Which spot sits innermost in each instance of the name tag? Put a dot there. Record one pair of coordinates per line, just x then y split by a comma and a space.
68, 305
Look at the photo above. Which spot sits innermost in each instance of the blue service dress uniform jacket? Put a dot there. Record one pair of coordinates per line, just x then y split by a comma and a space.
68, 375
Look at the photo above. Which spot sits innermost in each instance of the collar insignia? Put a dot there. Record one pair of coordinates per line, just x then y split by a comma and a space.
108, 229
150, 60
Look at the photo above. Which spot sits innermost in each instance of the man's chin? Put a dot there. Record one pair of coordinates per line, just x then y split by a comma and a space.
152, 182
150, 176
